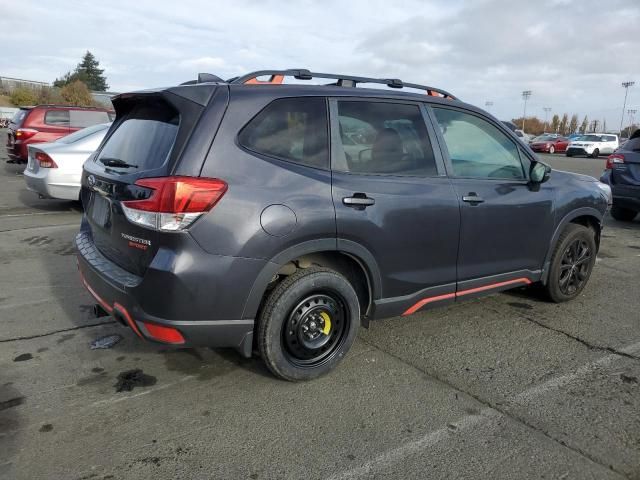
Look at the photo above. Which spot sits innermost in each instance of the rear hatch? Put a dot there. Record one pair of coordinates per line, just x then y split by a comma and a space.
150, 138
628, 172
15, 123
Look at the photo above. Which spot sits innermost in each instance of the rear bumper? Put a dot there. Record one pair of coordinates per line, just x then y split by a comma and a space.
49, 183
124, 295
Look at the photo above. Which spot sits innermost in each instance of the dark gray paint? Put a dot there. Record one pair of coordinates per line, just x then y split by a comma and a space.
418, 240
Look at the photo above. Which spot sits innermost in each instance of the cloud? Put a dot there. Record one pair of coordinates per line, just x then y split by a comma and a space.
572, 55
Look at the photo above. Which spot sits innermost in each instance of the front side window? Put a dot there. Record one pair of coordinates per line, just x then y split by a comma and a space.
383, 138
477, 148
292, 129
57, 117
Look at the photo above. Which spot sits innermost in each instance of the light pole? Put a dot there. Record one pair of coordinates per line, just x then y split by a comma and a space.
626, 86
546, 115
488, 104
525, 96
632, 113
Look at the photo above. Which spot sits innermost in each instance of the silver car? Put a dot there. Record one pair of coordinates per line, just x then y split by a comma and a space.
54, 169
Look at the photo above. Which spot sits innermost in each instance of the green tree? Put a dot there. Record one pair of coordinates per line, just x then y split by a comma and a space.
23, 96
555, 123
564, 124
77, 93
573, 124
88, 72
584, 125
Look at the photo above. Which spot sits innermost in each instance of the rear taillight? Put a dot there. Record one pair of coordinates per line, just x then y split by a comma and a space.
614, 159
175, 202
25, 133
45, 161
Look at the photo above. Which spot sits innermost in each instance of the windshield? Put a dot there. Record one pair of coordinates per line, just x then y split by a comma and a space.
85, 132
545, 138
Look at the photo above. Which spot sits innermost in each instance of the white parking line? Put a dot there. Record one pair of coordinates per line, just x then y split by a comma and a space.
395, 455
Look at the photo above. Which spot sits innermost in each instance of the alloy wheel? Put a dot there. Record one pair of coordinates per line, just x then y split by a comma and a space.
574, 267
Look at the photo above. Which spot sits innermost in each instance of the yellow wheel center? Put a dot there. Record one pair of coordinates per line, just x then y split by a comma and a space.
327, 323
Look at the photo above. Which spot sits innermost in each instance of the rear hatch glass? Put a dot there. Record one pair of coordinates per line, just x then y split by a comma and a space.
139, 144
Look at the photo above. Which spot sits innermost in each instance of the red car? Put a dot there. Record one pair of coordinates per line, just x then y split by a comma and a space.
47, 123
549, 144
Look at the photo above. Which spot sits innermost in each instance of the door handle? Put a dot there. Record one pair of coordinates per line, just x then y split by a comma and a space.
472, 198
359, 201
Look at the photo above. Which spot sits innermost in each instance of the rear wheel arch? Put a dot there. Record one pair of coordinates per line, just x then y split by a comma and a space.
361, 270
588, 217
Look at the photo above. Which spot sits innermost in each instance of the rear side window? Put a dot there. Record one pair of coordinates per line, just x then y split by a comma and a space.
87, 118
80, 134
293, 129
383, 138
143, 139
57, 117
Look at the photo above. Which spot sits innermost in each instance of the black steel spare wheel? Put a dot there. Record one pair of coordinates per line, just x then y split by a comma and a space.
315, 328
574, 266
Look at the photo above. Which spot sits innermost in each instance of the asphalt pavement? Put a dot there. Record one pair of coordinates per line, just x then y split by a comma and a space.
504, 387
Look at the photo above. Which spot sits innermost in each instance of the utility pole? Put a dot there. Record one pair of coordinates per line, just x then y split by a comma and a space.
488, 104
525, 96
626, 86
546, 116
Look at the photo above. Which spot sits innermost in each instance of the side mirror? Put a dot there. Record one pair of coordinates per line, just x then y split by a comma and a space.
539, 173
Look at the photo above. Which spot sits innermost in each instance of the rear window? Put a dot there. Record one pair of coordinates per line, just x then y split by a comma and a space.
57, 117
87, 118
19, 116
85, 132
293, 129
143, 139
633, 144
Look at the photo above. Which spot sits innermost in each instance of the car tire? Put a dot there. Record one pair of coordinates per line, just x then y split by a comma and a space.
552, 150
312, 301
623, 214
569, 154
595, 154
571, 263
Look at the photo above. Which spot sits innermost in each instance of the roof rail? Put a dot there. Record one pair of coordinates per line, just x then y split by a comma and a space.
276, 77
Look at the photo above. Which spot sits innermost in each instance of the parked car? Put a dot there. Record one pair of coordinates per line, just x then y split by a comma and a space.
622, 174
47, 123
549, 144
592, 145
217, 214
54, 169
574, 136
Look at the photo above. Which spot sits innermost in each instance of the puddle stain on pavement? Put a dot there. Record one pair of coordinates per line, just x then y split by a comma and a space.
131, 379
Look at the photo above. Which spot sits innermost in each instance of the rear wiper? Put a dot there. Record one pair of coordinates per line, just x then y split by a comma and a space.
116, 162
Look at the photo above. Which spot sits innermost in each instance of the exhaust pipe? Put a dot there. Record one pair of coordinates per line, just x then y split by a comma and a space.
98, 311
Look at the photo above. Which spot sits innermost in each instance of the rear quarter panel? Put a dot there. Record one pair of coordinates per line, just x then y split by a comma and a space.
256, 182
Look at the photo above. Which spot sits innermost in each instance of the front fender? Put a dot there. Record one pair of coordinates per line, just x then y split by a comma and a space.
567, 219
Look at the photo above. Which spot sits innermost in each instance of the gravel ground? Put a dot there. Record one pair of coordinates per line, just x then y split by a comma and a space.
508, 386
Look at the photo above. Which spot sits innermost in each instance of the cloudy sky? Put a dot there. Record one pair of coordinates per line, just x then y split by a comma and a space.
573, 55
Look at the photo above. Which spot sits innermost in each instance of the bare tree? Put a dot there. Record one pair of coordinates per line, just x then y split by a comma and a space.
573, 124
584, 125
564, 124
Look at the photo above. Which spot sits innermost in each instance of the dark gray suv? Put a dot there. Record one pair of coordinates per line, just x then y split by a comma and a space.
281, 217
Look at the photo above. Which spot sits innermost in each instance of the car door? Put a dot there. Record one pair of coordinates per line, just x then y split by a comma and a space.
393, 200
506, 223
561, 144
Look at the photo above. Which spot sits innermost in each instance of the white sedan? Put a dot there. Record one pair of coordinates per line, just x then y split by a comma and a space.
54, 169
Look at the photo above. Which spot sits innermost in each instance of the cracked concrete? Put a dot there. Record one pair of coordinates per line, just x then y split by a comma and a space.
507, 386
